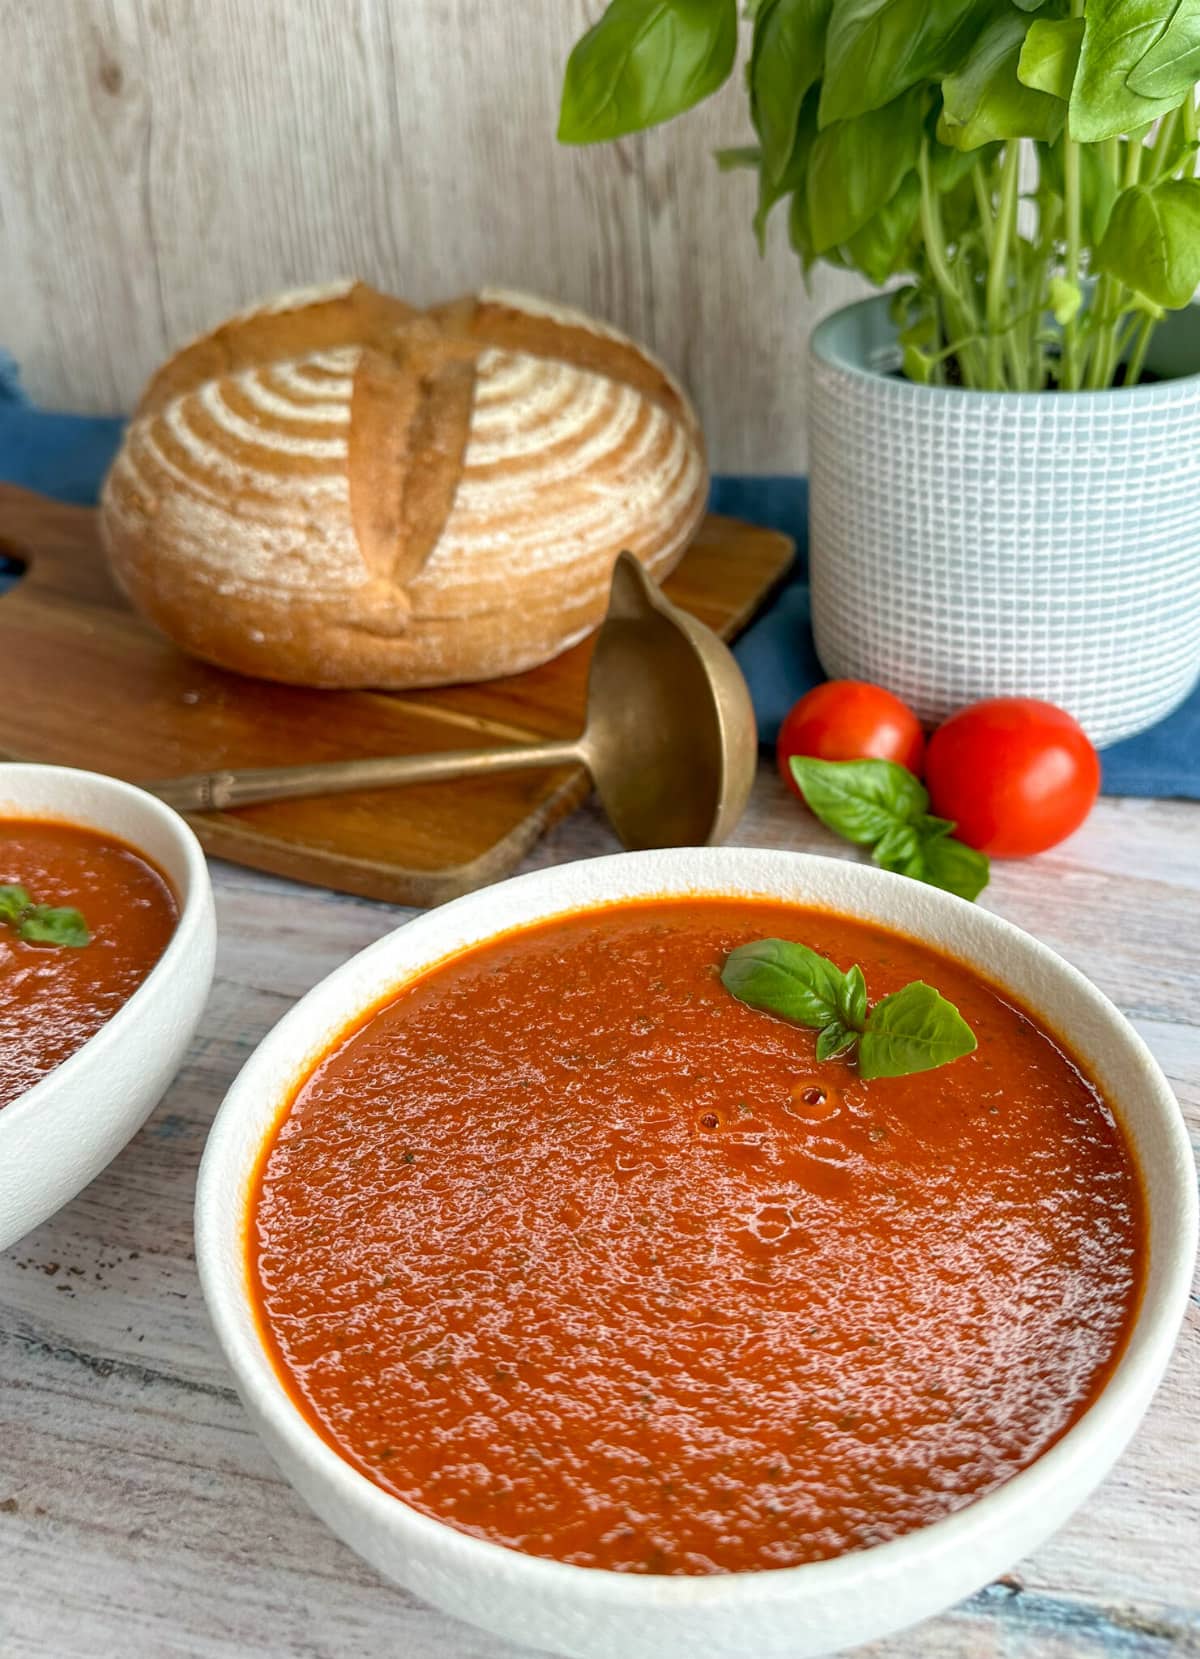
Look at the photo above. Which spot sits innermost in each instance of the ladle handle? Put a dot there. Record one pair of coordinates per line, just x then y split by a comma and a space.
212, 791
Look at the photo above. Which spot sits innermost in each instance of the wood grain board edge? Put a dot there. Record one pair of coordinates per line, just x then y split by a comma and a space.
56, 541
221, 835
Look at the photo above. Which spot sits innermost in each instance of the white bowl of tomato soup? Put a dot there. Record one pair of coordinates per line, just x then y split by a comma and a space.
578, 1295
107, 939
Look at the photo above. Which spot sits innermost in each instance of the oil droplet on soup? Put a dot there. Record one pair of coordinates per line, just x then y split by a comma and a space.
570, 1249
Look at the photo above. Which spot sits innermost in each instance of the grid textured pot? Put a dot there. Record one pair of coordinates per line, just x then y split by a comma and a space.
975, 544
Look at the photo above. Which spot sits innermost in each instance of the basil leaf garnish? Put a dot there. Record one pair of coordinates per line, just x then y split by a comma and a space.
915, 1029
41, 924
784, 978
881, 805
955, 866
44, 924
13, 900
836, 1039
912, 1030
860, 799
852, 998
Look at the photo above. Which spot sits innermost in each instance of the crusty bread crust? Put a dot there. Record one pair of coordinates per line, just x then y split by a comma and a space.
339, 490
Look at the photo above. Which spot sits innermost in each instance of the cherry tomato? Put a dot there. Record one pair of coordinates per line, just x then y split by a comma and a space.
850, 720
1016, 775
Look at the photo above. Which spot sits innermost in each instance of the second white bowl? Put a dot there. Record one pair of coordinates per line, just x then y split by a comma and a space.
59, 1135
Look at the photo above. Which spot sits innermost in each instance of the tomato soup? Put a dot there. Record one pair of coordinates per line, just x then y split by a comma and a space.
54, 997
570, 1249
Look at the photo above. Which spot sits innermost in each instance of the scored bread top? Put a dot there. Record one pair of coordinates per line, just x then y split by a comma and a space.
397, 467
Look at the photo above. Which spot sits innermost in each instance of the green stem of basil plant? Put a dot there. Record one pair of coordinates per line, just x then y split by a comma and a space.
935, 247
1073, 218
1134, 372
1111, 294
1188, 116
1072, 208
998, 273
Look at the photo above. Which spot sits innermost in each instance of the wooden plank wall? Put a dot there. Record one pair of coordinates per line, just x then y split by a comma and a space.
165, 162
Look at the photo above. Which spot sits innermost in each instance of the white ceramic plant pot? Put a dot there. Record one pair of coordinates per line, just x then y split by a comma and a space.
976, 544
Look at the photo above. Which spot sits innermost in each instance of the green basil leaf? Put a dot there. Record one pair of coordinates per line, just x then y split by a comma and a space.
897, 848
913, 1030
917, 366
785, 61
852, 999
877, 49
1117, 36
902, 855
950, 167
644, 62
1050, 55
1180, 159
1099, 191
858, 165
835, 1039
793, 181
1152, 243
954, 866
1030, 5
985, 100
13, 900
926, 851
782, 977
44, 924
860, 799
1171, 67
1098, 187
738, 156
1065, 298
885, 244
800, 231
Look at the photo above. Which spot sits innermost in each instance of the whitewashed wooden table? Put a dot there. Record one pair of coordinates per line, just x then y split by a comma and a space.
140, 1516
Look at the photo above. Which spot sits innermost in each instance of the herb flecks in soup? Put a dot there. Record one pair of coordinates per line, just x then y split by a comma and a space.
61, 976
571, 1249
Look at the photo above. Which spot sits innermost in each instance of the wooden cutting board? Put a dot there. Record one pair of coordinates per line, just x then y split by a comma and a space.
84, 682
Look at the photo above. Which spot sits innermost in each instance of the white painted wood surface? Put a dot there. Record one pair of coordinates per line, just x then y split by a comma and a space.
139, 1515
165, 162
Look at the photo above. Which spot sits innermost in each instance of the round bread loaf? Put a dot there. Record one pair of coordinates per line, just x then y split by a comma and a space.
339, 490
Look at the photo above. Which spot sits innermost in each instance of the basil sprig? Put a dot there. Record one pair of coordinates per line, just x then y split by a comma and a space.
914, 1029
41, 924
879, 804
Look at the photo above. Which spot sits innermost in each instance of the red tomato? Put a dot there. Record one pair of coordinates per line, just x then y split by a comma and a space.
1016, 775
850, 720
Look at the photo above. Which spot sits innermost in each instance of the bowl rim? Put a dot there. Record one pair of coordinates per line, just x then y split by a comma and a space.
1108, 1421
825, 347
193, 899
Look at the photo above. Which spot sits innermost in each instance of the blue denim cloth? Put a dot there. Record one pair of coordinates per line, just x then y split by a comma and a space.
66, 456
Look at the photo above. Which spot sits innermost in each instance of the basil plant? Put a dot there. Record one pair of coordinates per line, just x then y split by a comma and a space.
1027, 165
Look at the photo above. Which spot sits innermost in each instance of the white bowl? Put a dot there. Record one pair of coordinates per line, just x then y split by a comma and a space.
58, 1135
789, 1612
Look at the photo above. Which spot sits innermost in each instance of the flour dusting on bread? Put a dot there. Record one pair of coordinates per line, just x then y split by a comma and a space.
454, 515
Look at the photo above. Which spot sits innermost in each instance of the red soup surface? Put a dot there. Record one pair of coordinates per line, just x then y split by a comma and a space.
570, 1249
54, 997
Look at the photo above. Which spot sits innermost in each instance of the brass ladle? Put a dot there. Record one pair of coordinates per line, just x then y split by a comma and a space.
669, 739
